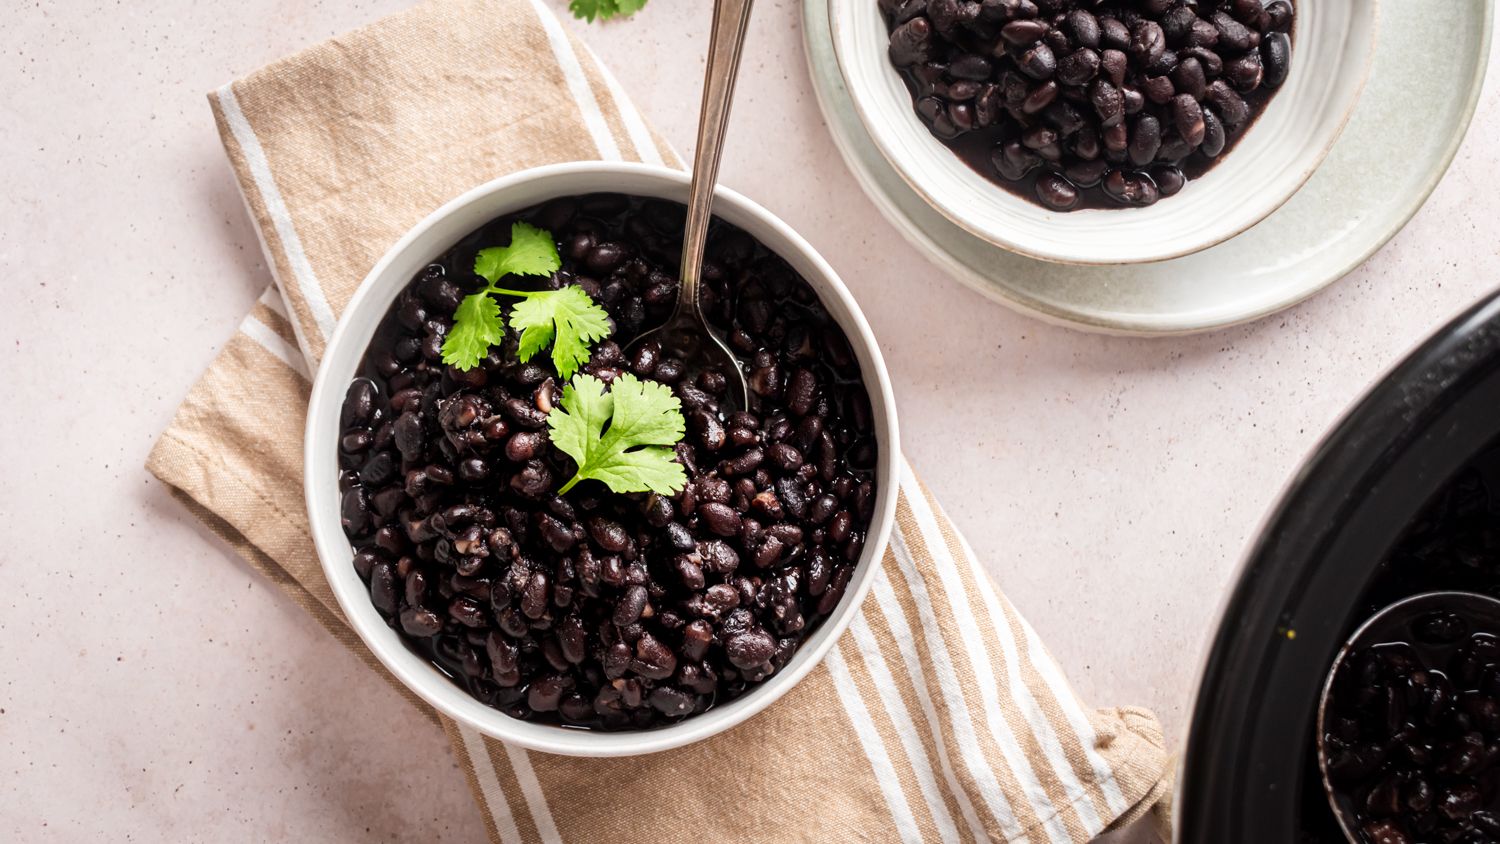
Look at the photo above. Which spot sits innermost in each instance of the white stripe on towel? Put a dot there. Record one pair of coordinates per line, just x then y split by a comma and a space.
906, 728
979, 658
531, 789
869, 739
578, 83
269, 340
635, 126
281, 218
495, 801
947, 679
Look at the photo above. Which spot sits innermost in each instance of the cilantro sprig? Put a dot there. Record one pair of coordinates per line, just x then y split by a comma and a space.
622, 437
565, 319
605, 9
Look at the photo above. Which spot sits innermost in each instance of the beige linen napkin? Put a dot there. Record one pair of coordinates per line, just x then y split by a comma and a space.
939, 716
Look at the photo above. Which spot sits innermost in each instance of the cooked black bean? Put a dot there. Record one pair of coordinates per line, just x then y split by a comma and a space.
653, 660
1057, 192
1187, 118
1078, 67
1023, 32
1169, 180
1145, 140
1084, 174
1083, 27
1214, 136
631, 605
1108, 103
1276, 55
420, 622
617, 611
750, 649
1024, 92
355, 511
719, 518
1038, 62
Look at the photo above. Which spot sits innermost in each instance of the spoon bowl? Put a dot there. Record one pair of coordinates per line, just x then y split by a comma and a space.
1394, 623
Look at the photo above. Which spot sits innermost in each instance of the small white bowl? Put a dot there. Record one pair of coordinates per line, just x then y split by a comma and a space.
421, 246
1331, 57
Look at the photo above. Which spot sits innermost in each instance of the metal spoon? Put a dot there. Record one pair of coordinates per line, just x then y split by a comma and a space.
686, 334
1394, 624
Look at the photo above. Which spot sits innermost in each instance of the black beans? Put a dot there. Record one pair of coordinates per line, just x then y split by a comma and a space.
719, 518
1169, 180
911, 42
1044, 87
354, 512
631, 605
618, 611
1015, 161
1213, 135
1276, 55
970, 66
1108, 103
1145, 140
1038, 62
1083, 174
359, 404
383, 588
718, 557
1078, 67
1187, 117
420, 622
1023, 32
1130, 189
1147, 42
750, 649
608, 534
1233, 35
1057, 192
356, 441
1083, 27
653, 660
1434, 704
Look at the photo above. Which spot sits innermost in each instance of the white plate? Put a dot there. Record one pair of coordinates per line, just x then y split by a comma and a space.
1396, 147
1330, 63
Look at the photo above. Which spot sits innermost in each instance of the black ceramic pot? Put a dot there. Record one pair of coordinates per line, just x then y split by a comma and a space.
1305, 585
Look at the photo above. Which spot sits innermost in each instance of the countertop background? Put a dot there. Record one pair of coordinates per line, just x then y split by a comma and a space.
152, 687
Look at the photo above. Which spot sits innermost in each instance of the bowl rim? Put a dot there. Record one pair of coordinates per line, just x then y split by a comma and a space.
347, 343
953, 211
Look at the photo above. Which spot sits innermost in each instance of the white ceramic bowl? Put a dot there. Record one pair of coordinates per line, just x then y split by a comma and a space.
426, 242
1331, 56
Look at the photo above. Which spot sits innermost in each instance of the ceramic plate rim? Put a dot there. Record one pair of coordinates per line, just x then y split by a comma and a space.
1135, 324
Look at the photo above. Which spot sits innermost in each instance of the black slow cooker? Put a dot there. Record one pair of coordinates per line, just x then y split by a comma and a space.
1322, 565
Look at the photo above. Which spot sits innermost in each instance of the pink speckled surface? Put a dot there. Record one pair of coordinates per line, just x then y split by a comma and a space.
153, 688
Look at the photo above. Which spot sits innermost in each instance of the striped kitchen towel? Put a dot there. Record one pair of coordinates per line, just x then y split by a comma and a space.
939, 716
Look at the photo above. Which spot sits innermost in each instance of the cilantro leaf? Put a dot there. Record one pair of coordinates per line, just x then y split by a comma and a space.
605, 9
476, 326
567, 319
531, 252
634, 452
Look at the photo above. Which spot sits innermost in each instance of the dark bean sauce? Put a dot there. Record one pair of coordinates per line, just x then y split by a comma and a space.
1072, 104
1414, 726
595, 609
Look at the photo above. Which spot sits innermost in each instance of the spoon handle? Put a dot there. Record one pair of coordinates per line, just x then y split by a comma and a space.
726, 41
